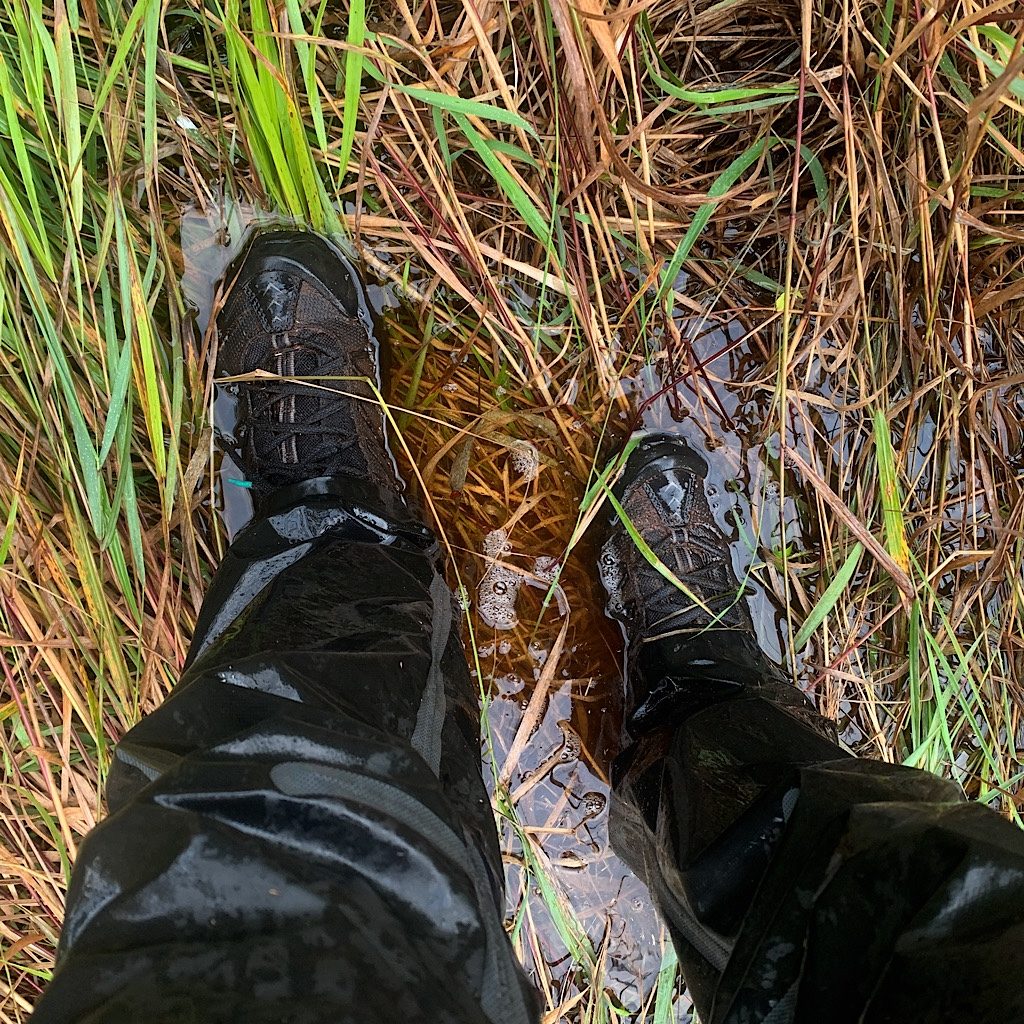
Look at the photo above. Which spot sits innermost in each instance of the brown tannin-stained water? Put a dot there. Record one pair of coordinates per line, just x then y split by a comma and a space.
506, 499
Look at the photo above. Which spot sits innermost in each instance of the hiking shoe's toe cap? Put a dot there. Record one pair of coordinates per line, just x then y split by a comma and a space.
287, 280
658, 453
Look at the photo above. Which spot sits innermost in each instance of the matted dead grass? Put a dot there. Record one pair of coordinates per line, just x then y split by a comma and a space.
807, 217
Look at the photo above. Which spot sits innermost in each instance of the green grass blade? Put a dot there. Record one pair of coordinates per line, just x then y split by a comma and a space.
722, 184
507, 183
828, 600
354, 63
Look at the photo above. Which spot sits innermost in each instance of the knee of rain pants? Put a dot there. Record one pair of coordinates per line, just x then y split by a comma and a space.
301, 831
802, 885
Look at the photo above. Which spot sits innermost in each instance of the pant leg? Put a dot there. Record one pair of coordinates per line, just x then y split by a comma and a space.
800, 884
300, 832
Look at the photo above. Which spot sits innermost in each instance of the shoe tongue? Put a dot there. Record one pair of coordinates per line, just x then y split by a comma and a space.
303, 362
301, 400
315, 452
306, 397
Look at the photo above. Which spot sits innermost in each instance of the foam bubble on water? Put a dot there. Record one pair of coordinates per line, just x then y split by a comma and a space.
571, 743
525, 460
609, 567
545, 572
496, 543
545, 568
499, 588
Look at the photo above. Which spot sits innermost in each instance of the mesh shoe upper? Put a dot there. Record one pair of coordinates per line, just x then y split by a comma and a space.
663, 493
293, 310
688, 644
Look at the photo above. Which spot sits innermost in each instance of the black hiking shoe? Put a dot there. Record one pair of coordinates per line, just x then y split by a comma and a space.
295, 308
662, 492
691, 645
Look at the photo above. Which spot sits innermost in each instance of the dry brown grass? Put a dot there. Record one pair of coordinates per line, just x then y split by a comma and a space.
825, 267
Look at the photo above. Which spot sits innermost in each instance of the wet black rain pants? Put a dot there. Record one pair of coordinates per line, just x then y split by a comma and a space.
301, 833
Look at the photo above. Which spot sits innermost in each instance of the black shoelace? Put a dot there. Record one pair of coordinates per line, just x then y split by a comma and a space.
296, 428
